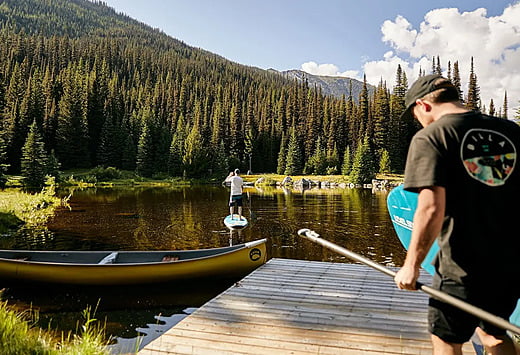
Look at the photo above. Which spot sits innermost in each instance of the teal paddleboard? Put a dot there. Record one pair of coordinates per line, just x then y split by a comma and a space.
234, 222
401, 207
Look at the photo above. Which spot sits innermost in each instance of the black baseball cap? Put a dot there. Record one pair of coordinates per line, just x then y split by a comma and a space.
422, 87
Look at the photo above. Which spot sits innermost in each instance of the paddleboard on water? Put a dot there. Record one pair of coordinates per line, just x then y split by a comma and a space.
233, 221
401, 207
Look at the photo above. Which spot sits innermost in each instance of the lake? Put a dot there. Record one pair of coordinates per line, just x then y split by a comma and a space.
165, 218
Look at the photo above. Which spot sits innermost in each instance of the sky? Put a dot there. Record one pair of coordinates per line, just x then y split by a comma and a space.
352, 38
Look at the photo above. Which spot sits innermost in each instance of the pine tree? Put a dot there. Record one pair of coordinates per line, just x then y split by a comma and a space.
194, 159
282, 155
34, 158
144, 165
293, 165
317, 163
437, 66
346, 167
107, 154
456, 80
397, 137
364, 110
384, 163
13, 128
491, 108
72, 129
382, 119
3, 164
176, 153
473, 98
249, 147
363, 167
220, 163
53, 165
332, 161
505, 108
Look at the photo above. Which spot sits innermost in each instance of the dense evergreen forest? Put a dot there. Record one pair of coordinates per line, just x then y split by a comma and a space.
82, 86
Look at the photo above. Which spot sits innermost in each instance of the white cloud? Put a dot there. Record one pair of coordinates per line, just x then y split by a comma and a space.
493, 42
327, 70
399, 33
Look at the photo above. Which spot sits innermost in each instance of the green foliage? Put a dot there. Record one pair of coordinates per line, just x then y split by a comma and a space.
3, 165
282, 156
90, 341
220, 165
293, 163
195, 161
317, 163
106, 174
144, 153
346, 167
9, 221
333, 161
384, 163
363, 167
109, 91
473, 97
35, 160
33, 209
53, 165
18, 335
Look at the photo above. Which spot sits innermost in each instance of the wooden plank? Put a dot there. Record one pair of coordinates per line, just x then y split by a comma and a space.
304, 307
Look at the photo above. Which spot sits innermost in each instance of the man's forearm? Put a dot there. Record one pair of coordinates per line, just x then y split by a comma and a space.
427, 224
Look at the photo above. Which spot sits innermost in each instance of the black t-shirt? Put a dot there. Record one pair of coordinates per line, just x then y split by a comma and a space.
474, 157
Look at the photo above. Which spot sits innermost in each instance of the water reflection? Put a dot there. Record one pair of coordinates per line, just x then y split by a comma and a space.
162, 218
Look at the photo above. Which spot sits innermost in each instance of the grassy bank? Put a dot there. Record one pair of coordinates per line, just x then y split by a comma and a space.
19, 336
106, 177
18, 333
18, 207
274, 179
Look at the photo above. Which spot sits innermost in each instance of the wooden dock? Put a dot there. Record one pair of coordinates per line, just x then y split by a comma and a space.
305, 307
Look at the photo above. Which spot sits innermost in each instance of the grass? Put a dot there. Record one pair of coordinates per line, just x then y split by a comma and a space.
272, 179
19, 335
17, 207
18, 332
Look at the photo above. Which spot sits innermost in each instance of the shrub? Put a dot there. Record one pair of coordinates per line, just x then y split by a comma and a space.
105, 174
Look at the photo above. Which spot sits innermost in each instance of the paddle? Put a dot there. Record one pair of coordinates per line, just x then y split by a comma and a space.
477, 312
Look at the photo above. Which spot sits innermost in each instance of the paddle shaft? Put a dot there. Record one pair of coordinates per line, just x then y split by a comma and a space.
477, 312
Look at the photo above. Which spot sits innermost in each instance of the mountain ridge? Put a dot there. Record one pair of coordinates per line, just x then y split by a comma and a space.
336, 86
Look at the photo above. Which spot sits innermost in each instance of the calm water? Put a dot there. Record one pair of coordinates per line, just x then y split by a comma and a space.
191, 218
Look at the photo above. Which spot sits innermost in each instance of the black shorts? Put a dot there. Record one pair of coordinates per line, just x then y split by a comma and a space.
456, 326
236, 200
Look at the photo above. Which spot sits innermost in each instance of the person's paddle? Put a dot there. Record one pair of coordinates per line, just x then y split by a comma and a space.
477, 312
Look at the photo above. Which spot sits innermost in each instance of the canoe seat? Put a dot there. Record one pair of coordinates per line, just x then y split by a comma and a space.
109, 259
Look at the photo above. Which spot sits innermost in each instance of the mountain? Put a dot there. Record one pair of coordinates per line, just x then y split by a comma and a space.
330, 85
104, 90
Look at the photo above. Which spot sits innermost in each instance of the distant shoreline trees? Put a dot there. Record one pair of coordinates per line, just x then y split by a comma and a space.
160, 107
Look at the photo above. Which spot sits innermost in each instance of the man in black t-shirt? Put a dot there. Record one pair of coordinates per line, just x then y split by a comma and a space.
463, 164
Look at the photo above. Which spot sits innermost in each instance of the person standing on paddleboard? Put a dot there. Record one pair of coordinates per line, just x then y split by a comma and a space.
462, 163
236, 192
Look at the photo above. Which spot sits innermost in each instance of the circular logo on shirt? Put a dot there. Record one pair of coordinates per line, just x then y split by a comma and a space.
488, 156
